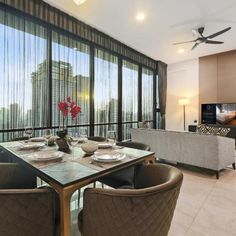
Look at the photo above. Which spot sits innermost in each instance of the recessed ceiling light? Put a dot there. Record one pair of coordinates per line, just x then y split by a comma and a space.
140, 16
79, 2
181, 50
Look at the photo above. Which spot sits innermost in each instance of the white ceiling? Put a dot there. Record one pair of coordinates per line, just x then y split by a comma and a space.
167, 21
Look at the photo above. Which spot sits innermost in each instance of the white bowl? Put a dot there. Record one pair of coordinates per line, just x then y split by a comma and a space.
89, 147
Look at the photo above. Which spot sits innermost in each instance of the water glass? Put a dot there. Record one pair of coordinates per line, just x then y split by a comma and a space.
111, 137
29, 132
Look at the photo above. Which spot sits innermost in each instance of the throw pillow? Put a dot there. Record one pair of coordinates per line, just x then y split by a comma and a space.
205, 129
202, 129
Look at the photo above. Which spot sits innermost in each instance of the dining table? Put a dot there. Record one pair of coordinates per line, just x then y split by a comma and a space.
73, 170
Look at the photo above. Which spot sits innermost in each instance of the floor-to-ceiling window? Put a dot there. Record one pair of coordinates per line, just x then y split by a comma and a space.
129, 98
105, 92
70, 77
24, 93
147, 96
41, 65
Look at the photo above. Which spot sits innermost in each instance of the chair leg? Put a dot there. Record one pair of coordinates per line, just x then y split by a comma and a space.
79, 193
233, 165
217, 174
94, 184
102, 185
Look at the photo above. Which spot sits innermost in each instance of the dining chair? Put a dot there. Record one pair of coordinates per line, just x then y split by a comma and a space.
146, 210
25, 209
97, 138
124, 178
22, 138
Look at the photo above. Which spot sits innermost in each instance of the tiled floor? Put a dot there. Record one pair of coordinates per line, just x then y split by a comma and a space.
206, 206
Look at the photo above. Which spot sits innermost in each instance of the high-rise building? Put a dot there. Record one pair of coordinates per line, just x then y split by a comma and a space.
63, 85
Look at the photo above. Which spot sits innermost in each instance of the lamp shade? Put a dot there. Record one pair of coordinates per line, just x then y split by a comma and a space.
183, 101
79, 2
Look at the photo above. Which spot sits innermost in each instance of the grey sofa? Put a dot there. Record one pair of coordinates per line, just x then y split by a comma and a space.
207, 151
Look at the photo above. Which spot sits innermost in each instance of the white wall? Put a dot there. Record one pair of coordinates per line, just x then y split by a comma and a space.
182, 81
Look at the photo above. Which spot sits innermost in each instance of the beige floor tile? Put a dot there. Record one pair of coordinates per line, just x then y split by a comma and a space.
177, 230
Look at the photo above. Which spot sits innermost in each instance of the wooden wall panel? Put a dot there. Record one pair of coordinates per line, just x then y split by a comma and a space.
208, 79
227, 77
217, 78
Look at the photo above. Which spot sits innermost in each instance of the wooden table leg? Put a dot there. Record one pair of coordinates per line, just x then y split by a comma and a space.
65, 214
150, 160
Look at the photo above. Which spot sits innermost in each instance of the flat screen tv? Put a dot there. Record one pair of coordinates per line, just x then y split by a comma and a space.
220, 113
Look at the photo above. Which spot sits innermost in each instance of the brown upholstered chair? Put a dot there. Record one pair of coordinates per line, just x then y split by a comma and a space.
124, 178
26, 211
146, 210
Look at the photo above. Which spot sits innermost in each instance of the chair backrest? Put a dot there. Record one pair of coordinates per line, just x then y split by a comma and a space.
147, 210
15, 176
20, 138
97, 138
25, 210
136, 145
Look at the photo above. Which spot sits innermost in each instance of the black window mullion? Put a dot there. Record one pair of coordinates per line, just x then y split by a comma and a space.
140, 93
49, 59
120, 99
91, 97
154, 99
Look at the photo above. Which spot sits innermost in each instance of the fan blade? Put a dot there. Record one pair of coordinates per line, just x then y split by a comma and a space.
213, 42
196, 33
184, 42
218, 33
194, 46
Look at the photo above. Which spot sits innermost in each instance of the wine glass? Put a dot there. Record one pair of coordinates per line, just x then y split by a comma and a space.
47, 135
111, 137
29, 132
83, 134
74, 139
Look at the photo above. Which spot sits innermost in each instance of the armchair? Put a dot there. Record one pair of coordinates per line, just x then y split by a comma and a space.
146, 210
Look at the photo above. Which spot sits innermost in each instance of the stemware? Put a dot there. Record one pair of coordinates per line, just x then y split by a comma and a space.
83, 134
111, 137
74, 139
29, 132
47, 135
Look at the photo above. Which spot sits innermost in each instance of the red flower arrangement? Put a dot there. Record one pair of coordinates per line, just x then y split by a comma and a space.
67, 107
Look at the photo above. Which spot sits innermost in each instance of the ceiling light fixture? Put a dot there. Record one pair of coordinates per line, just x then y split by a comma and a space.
140, 16
181, 50
79, 2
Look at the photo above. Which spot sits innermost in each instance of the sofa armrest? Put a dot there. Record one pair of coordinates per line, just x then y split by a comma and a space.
226, 151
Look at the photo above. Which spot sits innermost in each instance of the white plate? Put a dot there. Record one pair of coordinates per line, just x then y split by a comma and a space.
104, 145
37, 139
47, 156
31, 146
108, 157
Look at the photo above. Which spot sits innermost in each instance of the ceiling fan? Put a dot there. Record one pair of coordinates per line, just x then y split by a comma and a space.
202, 39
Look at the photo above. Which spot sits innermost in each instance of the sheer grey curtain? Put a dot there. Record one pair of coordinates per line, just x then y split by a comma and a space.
162, 88
24, 92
